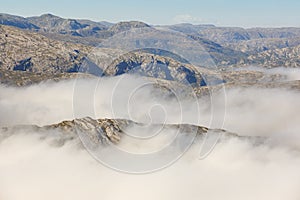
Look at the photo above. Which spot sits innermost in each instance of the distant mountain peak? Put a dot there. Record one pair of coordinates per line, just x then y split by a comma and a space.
127, 25
49, 15
16, 21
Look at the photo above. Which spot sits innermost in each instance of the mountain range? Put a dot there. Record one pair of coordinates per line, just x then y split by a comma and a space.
52, 45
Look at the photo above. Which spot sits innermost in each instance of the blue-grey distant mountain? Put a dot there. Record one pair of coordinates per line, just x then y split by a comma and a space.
189, 28
20, 22
53, 24
125, 26
227, 46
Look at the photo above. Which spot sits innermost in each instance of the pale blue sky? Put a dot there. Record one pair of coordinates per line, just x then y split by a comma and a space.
271, 13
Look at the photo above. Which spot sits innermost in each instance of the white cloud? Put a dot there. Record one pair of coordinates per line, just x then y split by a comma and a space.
30, 169
236, 169
186, 18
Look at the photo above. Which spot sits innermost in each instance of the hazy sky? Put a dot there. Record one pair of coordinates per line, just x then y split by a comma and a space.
249, 13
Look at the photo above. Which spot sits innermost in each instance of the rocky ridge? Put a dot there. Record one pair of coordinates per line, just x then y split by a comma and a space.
98, 131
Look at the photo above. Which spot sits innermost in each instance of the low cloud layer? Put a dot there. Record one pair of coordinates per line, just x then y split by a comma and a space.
31, 169
238, 168
248, 111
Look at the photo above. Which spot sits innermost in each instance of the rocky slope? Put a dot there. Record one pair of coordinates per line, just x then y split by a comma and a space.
31, 52
224, 35
268, 47
27, 51
21, 78
285, 57
263, 44
156, 66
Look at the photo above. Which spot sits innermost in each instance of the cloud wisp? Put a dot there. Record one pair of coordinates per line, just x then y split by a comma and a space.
187, 18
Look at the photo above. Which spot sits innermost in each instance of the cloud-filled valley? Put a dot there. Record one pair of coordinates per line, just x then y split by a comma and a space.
262, 166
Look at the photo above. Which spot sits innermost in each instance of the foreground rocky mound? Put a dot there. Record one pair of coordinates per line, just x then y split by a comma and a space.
99, 131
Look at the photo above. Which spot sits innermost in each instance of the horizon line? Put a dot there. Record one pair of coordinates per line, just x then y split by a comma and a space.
139, 20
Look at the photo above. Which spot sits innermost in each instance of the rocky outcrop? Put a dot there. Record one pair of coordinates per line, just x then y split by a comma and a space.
102, 130
98, 131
